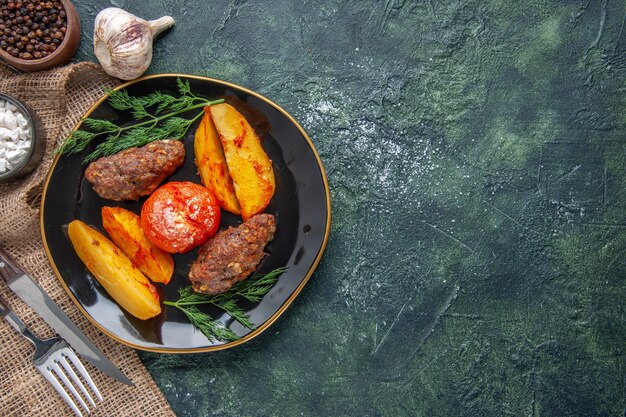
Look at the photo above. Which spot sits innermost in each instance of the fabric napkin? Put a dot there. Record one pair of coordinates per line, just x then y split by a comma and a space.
58, 97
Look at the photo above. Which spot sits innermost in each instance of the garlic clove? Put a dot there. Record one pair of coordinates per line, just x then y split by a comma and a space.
123, 41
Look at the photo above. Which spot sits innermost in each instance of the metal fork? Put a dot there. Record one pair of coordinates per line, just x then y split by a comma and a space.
55, 360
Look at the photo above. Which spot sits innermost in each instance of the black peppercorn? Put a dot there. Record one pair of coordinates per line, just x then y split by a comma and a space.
31, 29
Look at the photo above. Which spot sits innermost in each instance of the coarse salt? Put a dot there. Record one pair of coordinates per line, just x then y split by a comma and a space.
15, 136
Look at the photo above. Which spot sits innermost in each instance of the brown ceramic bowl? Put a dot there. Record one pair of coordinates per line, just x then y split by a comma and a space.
63, 53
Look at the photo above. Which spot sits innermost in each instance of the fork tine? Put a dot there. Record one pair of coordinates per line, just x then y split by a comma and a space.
83, 372
55, 366
51, 378
77, 382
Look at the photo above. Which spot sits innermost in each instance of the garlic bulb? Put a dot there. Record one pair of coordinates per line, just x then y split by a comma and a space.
123, 42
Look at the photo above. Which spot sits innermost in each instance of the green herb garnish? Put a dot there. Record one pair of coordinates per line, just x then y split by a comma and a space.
155, 115
252, 289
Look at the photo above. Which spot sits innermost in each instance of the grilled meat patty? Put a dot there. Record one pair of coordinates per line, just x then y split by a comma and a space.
135, 172
232, 255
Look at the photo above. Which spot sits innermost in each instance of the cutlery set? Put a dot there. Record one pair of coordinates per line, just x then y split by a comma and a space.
55, 358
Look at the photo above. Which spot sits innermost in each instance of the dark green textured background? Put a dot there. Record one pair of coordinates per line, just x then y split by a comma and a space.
476, 155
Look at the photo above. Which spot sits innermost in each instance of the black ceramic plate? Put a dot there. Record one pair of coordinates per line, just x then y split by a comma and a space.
301, 205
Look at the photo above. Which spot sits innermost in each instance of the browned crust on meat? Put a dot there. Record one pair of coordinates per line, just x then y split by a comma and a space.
232, 255
135, 172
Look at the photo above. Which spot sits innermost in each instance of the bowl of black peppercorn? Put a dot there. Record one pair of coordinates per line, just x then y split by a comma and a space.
36, 35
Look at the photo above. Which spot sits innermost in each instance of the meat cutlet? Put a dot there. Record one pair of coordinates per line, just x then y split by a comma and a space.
135, 172
232, 255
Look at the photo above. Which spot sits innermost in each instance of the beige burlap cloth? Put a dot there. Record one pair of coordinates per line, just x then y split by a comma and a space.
59, 97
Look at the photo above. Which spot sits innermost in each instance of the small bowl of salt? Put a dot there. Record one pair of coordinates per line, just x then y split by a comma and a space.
21, 140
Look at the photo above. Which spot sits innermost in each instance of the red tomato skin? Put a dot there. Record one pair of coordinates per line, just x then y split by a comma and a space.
179, 216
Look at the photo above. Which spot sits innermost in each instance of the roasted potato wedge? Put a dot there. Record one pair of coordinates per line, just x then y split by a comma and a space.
212, 164
114, 271
124, 228
249, 166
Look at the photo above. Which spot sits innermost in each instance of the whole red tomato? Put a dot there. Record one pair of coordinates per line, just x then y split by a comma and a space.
179, 216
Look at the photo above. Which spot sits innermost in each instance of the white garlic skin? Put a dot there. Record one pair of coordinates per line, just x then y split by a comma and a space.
123, 42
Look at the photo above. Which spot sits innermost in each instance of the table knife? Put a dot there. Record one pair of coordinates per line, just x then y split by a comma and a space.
33, 295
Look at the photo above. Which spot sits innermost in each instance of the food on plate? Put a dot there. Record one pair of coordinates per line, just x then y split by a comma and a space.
179, 216
170, 117
232, 255
114, 271
249, 166
124, 228
135, 172
212, 164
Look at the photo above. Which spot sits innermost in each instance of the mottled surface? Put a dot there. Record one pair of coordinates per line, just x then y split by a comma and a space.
476, 154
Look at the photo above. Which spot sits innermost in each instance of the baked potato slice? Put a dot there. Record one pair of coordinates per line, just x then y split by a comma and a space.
124, 228
114, 271
248, 164
211, 163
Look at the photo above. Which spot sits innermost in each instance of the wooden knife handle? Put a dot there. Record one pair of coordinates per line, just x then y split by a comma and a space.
9, 269
4, 307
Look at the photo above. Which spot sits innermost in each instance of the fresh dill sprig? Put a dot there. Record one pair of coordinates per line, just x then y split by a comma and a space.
257, 286
233, 310
212, 329
252, 289
156, 117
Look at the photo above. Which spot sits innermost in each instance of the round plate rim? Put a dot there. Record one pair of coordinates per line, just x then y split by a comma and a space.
287, 302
